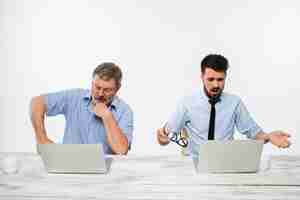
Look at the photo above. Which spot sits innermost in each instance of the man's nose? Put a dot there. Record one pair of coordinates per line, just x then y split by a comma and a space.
100, 92
215, 84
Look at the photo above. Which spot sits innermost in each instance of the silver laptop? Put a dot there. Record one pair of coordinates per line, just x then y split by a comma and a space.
235, 156
74, 158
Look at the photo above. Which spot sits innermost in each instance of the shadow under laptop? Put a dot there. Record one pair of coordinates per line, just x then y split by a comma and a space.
108, 162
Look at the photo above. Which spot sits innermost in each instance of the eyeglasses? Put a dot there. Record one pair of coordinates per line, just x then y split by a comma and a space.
179, 139
104, 90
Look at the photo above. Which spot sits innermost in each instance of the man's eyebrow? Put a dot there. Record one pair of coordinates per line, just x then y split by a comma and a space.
100, 87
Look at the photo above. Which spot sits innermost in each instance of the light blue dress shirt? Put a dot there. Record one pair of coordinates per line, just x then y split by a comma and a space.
82, 125
193, 113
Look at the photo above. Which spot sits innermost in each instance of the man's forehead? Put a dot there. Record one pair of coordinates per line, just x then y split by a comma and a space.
103, 81
212, 72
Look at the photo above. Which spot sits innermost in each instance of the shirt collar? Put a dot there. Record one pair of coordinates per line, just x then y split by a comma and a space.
88, 98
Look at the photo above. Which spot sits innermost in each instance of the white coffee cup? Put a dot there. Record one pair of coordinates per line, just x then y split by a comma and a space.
9, 165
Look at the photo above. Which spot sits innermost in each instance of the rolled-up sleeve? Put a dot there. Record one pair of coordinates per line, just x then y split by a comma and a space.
244, 122
56, 103
126, 125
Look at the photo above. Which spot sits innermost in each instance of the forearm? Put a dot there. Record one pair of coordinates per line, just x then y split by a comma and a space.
277, 138
115, 137
37, 116
262, 136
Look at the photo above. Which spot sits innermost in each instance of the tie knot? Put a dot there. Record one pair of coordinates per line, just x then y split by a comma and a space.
213, 100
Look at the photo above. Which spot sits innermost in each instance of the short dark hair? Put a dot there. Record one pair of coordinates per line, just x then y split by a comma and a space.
216, 62
107, 71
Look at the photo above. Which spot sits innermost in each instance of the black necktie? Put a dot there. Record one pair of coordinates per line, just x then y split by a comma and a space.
211, 129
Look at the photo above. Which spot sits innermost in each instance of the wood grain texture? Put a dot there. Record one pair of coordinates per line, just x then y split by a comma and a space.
151, 177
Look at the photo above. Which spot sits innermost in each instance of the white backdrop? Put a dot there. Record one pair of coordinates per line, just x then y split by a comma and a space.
52, 45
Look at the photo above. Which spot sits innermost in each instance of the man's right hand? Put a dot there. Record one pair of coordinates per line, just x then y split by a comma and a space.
37, 114
162, 136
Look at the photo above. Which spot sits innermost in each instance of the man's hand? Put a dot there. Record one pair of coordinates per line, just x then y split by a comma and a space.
162, 136
45, 140
100, 109
279, 139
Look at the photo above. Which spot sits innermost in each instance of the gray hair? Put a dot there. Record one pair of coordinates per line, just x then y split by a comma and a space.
107, 71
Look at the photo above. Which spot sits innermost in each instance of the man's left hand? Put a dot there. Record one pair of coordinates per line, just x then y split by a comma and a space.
279, 139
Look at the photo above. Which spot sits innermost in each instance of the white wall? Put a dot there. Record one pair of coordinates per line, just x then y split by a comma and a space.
52, 45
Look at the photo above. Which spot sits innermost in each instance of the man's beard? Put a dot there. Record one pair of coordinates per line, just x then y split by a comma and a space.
102, 99
216, 89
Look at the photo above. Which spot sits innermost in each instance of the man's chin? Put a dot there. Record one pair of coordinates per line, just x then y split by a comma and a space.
214, 94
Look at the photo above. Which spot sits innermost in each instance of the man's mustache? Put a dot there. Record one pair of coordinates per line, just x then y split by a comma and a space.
100, 99
216, 89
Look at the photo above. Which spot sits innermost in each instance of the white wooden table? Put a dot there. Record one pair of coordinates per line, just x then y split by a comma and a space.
152, 177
